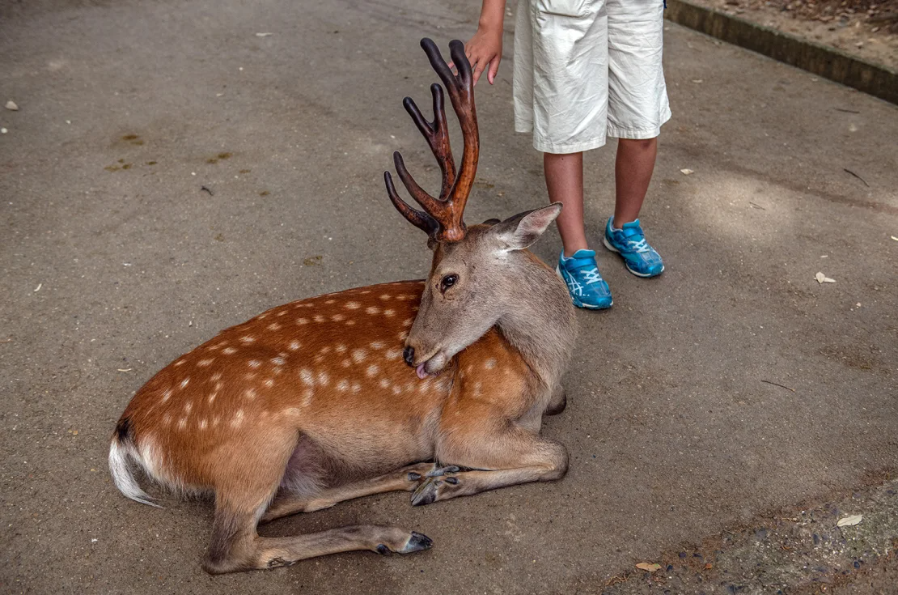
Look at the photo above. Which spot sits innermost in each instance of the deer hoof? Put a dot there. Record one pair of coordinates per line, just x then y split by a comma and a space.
440, 471
426, 493
418, 542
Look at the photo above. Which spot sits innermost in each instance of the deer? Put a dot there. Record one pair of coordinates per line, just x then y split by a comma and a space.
436, 387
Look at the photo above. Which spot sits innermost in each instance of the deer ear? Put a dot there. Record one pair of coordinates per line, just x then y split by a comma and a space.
522, 230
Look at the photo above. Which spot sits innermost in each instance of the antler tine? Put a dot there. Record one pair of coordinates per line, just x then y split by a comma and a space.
422, 221
437, 135
443, 217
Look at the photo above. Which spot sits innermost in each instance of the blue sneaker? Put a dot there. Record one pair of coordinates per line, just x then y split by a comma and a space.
581, 275
629, 241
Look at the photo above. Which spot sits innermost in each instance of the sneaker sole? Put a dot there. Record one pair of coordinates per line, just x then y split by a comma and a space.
627, 264
577, 302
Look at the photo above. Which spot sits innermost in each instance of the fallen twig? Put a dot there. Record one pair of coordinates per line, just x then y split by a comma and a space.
847, 111
779, 385
209, 190
857, 176
757, 206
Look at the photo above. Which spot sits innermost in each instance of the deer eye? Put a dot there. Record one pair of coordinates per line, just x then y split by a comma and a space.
447, 282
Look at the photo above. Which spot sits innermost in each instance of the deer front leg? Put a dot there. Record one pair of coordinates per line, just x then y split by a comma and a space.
500, 454
401, 480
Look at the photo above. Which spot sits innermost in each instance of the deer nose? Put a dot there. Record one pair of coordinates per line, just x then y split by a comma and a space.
408, 354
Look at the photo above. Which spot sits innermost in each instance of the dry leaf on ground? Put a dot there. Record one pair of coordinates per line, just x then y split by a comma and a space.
686, 172
821, 278
850, 520
11, 106
648, 567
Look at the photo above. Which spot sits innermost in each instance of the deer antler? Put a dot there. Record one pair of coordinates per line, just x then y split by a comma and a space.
442, 217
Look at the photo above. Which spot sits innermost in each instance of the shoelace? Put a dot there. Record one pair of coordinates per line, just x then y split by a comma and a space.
591, 276
640, 246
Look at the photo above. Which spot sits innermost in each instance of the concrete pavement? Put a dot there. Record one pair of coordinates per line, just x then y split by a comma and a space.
732, 386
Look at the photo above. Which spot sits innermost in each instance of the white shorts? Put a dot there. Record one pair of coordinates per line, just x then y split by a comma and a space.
588, 69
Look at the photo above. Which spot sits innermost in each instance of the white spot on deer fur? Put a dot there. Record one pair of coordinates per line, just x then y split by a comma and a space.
306, 376
372, 370
229, 350
215, 421
477, 389
319, 359
290, 411
338, 317
389, 313
166, 419
356, 387
377, 345
340, 348
274, 326
329, 301
350, 323
216, 376
352, 305
269, 382
212, 397
182, 423
254, 363
238, 419
385, 296
281, 313
250, 393
187, 407
307, 398
250, 376
323, 378
218, 386
184, 382
318, 318
346, 363
343, 385
393, 354
204, 363
262, 316
359, 355
396, 390
372, 310
278, 361
203, 423
384, 383
325, 350
408, 321
166, 395
180, 362
301, 321
294, 345
367, 291
489, 364
247, 339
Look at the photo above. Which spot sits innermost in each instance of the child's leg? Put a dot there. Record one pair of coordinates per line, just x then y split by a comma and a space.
564, 180
632, 174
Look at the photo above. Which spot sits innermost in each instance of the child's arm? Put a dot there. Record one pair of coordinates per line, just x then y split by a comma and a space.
484, 50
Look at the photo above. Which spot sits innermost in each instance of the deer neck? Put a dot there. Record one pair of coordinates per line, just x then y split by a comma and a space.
541, 325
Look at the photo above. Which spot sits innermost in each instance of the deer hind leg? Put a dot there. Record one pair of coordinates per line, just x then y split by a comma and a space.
401, 480
236, 546
558, 401
498, 453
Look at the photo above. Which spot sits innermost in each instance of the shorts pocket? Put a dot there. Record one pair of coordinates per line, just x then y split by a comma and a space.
567, 8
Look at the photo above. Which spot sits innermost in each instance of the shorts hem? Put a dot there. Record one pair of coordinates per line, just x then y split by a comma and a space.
638, 133
545, 146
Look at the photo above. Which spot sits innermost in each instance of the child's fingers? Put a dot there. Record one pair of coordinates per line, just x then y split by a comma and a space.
494, 70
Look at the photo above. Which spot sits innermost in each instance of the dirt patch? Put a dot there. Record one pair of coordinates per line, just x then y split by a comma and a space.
862, 28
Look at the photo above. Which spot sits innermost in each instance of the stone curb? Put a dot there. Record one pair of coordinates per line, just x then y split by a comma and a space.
830, 63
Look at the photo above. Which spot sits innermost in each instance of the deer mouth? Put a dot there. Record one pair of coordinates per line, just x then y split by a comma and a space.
431, 366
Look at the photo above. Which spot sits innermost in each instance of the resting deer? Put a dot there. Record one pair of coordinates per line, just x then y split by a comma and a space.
435, 387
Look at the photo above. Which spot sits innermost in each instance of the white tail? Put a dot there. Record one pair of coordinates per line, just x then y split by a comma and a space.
434, 387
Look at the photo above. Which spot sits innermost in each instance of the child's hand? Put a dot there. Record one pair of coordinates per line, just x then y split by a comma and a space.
484, 51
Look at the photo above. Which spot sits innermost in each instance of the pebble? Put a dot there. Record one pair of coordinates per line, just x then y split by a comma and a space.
11, 105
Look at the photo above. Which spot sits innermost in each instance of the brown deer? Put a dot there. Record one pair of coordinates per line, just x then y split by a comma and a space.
435, 387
